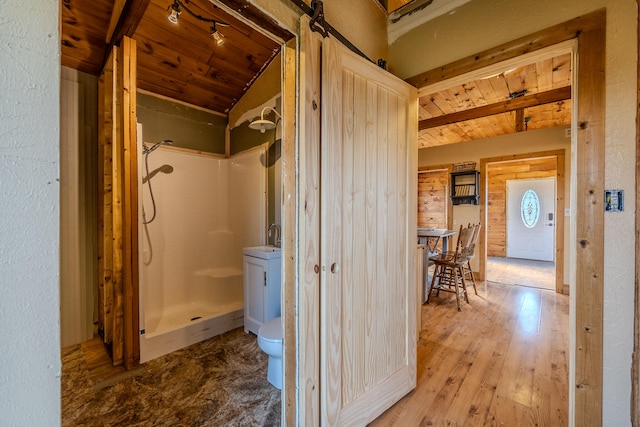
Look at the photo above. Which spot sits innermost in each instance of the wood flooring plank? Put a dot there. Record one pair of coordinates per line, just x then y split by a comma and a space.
502, 360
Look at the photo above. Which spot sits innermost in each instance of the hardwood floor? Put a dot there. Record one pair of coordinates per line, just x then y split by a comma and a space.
525, 272
502, 360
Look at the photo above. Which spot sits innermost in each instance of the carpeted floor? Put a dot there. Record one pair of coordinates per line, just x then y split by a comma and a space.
218, 382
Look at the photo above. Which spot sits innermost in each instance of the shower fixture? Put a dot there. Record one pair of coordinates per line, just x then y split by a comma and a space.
164, 168
263, 124
147, 150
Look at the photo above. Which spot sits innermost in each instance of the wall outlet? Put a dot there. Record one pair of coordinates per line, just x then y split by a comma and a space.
567, 133
567, 212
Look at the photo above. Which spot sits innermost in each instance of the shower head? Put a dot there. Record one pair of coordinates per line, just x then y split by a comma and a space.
164, 169
263, 124
147, 150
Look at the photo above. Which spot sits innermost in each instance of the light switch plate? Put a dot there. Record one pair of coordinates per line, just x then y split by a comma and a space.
613, 200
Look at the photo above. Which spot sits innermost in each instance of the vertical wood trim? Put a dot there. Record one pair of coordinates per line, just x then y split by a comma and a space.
590, 224
100, 191
560, 198
106, 267
308, 215
117, 343
635, 359
289, 396
130, 205
482, 202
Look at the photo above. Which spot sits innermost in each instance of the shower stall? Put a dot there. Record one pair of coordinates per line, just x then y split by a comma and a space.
206, 210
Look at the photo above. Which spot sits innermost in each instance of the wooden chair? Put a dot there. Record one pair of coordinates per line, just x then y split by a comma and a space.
448, 275
468, 271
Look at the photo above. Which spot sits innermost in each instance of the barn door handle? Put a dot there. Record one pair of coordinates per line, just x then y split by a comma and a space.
335, 267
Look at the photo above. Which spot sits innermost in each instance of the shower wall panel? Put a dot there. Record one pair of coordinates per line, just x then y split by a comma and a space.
207, 210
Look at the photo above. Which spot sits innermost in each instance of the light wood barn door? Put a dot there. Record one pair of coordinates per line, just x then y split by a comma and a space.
368, 238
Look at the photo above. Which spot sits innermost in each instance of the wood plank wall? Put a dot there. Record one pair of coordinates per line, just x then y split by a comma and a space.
433, 197
497, 176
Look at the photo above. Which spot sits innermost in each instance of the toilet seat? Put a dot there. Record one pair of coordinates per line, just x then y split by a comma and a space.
271, 331
270, 341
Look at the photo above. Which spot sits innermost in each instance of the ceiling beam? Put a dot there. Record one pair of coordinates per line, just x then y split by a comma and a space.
125, 17
528, 101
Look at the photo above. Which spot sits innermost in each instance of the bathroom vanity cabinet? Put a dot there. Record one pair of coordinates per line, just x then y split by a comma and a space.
262, 277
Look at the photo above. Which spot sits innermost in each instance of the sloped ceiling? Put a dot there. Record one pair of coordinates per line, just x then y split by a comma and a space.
178, 61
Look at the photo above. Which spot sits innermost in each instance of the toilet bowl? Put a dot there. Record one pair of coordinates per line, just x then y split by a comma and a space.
270, 341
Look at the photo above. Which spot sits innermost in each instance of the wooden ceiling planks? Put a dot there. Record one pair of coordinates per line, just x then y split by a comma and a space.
537, 80
212, 76
179, 61
84, 30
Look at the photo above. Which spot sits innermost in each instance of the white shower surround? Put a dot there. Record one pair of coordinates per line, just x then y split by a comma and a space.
208, 209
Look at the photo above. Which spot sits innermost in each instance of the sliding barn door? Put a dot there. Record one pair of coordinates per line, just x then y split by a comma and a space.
118, 206
368, 238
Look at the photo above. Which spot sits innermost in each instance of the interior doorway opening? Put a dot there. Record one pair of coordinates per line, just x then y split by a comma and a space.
525, 223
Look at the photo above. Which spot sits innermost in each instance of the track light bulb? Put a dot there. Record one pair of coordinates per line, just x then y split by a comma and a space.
216, 36
174, 16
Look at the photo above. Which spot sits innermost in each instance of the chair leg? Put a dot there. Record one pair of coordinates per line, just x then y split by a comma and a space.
473, 280
464, 285
455, 284
433, 281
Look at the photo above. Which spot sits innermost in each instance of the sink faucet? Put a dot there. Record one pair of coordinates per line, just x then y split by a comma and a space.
276, 239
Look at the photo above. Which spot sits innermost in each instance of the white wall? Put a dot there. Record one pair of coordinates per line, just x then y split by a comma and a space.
29, 213
479, 25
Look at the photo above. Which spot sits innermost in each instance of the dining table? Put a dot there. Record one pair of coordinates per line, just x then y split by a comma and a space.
430, 237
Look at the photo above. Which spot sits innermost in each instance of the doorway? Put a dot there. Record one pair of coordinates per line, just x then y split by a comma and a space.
506, 250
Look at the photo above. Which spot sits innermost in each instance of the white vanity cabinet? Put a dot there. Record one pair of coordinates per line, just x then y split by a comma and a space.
262, 283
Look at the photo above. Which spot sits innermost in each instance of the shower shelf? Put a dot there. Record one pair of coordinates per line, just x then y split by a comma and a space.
220, 273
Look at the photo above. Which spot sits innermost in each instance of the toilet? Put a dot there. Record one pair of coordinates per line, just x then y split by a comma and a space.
270, 341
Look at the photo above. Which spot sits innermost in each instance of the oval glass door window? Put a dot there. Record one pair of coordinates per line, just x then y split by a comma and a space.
530, 208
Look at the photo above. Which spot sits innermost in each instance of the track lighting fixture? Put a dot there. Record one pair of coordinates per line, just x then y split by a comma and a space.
174, 15
175, 10
216, 35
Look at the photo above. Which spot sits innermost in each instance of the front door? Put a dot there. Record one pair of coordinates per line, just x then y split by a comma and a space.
531, 206
368, 238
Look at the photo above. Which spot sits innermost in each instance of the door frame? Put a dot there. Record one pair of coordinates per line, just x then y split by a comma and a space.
560, 286
588, 139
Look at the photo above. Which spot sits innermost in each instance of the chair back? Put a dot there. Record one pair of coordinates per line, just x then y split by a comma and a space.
465, 237
474, 240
